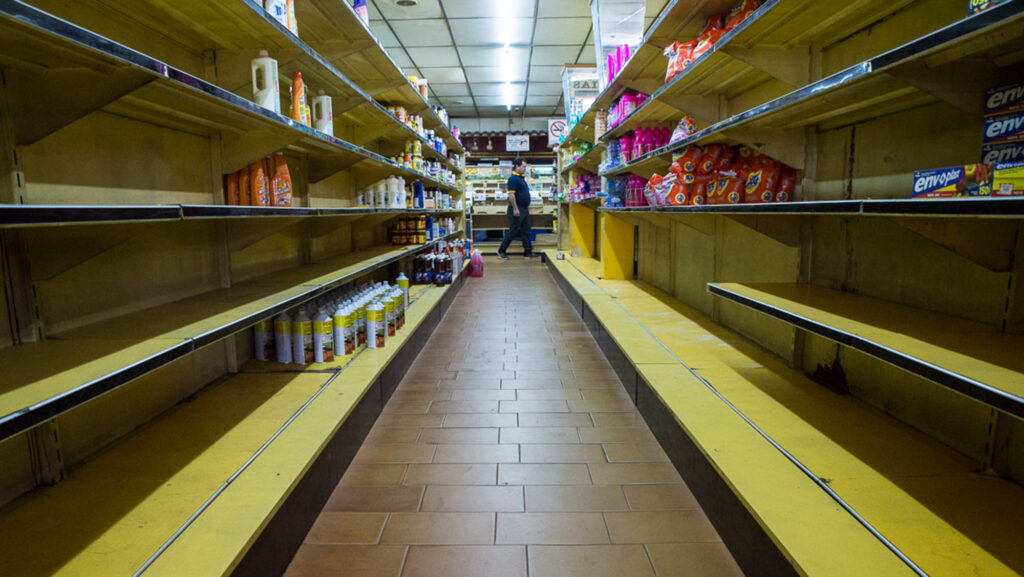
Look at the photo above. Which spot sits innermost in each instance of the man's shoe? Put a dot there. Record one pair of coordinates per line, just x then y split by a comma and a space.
532, 255
502, 256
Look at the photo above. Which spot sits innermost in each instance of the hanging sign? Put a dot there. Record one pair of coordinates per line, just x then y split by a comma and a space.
517, 142
556, 131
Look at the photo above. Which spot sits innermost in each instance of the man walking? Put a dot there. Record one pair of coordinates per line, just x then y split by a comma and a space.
518, 210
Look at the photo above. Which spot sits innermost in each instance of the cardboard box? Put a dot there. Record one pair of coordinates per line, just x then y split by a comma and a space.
969, 180
1004, 99
1008, 179
1002, 153
974, 6
1004, 128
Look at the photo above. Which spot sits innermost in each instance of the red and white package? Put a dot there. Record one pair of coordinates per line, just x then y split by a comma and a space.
740, 12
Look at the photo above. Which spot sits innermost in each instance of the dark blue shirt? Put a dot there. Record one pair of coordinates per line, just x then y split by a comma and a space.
517, 185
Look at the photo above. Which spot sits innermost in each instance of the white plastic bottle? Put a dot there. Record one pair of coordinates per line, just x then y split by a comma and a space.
376, 326
323, 113
403, 283
339, 330
278, 9
323, 338
283, 338
380, 190
302, 339
389, 313
265, 88
262, 337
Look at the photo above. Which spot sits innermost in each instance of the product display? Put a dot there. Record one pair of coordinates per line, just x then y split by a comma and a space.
265, 87
265, 182
681, 54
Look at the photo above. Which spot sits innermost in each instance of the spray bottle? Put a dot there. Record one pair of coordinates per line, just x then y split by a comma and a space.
260, 184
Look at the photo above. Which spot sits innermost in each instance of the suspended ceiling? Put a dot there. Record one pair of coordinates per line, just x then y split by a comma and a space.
459, 47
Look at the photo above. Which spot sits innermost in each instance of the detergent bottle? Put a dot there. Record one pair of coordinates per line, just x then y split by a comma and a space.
231, 191
293, 24
265, 88
282, 182
278, 9
299, 99
323, 113
260, 190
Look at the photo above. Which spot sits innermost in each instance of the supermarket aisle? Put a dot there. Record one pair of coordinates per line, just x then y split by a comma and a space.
511, 449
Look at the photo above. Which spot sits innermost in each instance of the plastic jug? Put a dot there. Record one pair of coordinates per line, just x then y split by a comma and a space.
323, 114
380, 194
265, 89
476, 264
278, 9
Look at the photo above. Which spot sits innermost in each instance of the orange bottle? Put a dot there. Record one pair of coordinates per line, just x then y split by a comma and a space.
244, 187
298, 99
260, 184
281, 186
231, 188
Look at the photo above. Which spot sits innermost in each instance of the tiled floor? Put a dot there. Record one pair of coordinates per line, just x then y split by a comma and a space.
511, 449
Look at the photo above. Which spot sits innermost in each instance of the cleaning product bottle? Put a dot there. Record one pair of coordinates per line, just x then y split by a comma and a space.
380, 193
399, 297
347, 329
389, 313
282, 183
323, 338
231, 188
293, 24
339, 330
376, 326
323, 113
265, 89
361, 323
283, 338
244, 187
298, 98
278, 9
361, 10
263, 340
302, 339
260, 185
403, 283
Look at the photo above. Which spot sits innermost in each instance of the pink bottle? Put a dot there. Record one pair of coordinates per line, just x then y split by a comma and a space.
612, 67
626, 148
476, 264
639, 140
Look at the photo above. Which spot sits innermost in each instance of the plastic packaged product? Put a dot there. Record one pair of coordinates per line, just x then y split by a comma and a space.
762, 182
263, 340
265, 88
278, 9
679, 57
323, 113
302, 339
283, 338
712, 154
323, 338
389, 313
260, 186
376, 326
683, 130
281, 185
293, 23
299, 99
361, 10
740, 12
787, 184
231, 195
403, 283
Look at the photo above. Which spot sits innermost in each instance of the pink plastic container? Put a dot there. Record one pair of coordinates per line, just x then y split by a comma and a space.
476, 264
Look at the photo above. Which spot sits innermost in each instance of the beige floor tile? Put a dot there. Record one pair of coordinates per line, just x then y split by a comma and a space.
358, 474
477, 454
479, 420
354, 561
395, 454
660, 497
541, 375
569, 453
470, 375
406, 407
465, 561
534, 407
687, 526
616, 435
575, 498
694, 560
633, 473
432, 395
428, 373
473, 498
482, 395
607, 406
464, 407
558, 420
548, 395
470, 384
458, 436
439, 529
531, 384
477, 366
374, 499
386, 436
540, 435
419, 385
534, 474
551, 529
347, 528
457, 474
416, 421
545, 361
589, 561
625, 452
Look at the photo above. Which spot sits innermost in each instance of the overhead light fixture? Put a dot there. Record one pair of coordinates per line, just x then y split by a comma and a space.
407, 3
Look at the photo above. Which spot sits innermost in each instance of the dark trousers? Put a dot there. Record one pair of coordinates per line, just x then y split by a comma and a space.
518, 226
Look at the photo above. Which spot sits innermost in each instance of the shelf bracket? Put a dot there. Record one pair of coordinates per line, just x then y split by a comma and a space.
242, 149
787, 145
790, 65
706, 108
957, 82
322, 167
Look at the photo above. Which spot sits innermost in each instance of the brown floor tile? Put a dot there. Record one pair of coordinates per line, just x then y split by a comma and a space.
406, 407
534, 407
540, 435
479, 420
575, 498
559, 420
428, 373
432, 395
374, 499
418, 386
531, 384
694, 560
570, 453
616, 435
482, 395
477, 454
477, 366
473, 498
395, 454
687, 526
551, 529
358, 474
470, 375
416, 421
589, 561
548, 395
464, 407
633, 473
458, 474
528, 374
533, 474
660, 497
471, 384
439, 529
543, 361
347, 528
458, 436
609, 406
610, 382
626, 452
465, 561
385, 436
354, 561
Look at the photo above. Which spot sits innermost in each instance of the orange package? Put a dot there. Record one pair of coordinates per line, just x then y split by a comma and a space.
787, 185
698, 193
762, 182
244, 187
727, 161
678, 54
688, 159
231, 188
708, 161
740, 12
732, 189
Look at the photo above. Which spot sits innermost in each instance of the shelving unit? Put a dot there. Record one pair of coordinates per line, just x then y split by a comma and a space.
491, 215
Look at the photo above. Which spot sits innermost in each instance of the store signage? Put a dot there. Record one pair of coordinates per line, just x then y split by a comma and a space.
556, 131
517, 142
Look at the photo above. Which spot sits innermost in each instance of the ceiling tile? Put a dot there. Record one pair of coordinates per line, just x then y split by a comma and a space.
498, 89
493, 56
449, 75
491, 31
494, 74
561, 31
545, 89
463, 111
402, 59
490, 8
552, 9
545, 74
424, 9
422, 33
460, 89
588, 55
554, 55
435, 57
496, 101
374, 13
551, 101
455, 102
383, 34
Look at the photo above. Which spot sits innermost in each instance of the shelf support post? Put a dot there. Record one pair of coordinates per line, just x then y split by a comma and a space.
617, 247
